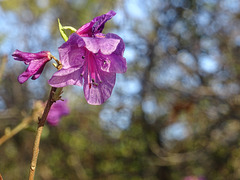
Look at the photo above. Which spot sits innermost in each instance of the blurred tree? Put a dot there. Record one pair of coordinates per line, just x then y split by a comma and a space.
175, 113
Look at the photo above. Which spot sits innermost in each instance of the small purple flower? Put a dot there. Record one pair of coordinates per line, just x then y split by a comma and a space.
57, 110
36, 62
91, 59
193, 178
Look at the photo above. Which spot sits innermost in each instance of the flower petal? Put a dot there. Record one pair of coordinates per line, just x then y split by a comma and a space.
85, 30
106, 46
115, 62
121, 46
101, 20
96, 25
25, 56
35, 67
71, 54
39, 72
24, 77
65, 77
98, 94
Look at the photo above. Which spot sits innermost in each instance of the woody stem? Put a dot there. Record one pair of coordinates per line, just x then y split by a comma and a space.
41, 123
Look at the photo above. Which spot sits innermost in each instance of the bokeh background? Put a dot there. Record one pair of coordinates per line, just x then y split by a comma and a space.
174, 113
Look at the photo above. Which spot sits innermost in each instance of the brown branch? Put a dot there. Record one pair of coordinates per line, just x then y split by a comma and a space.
41, 123
9, 133
2, 67
24, 124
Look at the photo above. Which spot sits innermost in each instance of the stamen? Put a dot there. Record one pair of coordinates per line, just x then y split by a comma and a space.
55, 65
59, 64
59, 67
96, 84
93, 75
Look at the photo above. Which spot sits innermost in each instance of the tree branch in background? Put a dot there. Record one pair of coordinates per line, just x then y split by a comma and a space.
2, 67
9, 134
37, 110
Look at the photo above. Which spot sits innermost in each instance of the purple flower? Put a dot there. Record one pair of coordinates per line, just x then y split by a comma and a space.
36, 62
58, 109
91, 59
193, 178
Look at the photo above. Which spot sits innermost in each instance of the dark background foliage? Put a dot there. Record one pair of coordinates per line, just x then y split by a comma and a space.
175, 113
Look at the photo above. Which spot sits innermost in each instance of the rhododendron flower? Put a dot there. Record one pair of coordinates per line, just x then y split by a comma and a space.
58, 109
91, 59
36, 62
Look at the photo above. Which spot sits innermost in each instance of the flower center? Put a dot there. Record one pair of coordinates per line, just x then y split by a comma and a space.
93, 75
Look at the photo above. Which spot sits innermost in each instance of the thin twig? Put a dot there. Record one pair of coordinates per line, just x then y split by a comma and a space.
37, 111
24, 124
41, 123
2, 67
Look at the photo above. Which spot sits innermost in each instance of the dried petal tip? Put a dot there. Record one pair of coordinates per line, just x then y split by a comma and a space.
36, 62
